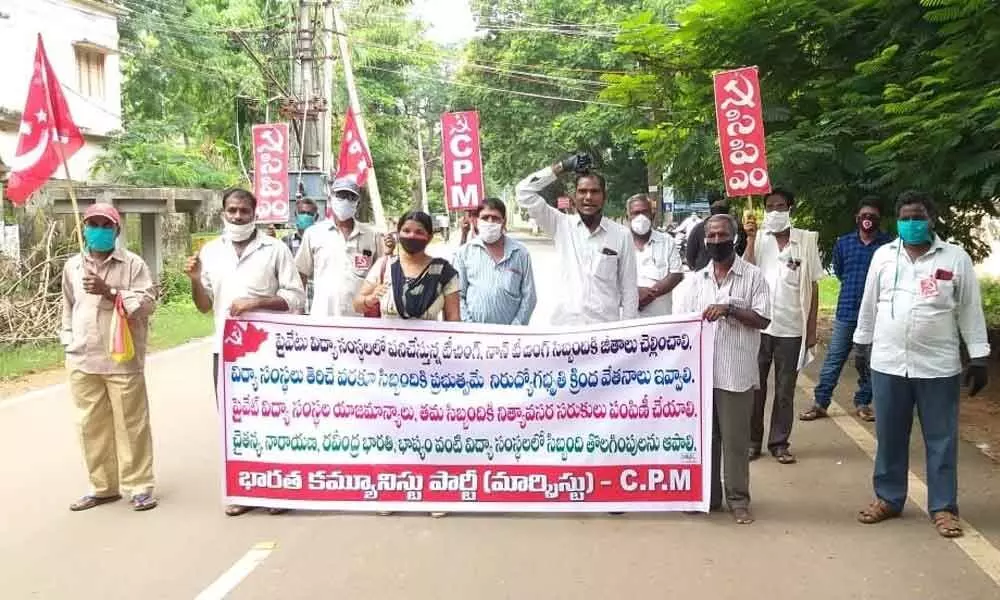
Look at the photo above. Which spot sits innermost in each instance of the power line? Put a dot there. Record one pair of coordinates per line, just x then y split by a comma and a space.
505, 91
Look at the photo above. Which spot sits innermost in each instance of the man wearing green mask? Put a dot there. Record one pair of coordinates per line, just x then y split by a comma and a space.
109, 395
921, 300
306, 213
336, 254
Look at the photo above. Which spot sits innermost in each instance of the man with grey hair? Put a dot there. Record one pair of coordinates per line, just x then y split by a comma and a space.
733, 294
657, 259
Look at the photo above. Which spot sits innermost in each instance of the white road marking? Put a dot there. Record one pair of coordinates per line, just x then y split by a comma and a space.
973, 543
228, 581
60, 388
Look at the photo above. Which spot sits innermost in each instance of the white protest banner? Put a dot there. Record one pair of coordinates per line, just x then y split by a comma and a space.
372, 415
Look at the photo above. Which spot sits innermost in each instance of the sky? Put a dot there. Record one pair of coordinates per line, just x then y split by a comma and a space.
449, 21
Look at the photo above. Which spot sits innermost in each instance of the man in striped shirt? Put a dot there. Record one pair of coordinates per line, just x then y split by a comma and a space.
497, 283
733, 294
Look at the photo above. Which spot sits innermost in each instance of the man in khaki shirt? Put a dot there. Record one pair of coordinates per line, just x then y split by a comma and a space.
110, 397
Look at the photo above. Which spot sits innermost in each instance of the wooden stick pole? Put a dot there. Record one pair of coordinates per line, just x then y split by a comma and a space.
72, 199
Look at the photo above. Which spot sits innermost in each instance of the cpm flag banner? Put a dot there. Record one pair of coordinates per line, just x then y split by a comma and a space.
270, 172
739, 117
464, 188
47, 136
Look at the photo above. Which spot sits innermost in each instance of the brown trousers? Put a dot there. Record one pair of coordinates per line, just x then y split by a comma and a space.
113, 423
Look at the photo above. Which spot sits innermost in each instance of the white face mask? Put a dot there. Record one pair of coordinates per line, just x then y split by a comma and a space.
490, 232
776, 221
238, 233
641, 225
344, 209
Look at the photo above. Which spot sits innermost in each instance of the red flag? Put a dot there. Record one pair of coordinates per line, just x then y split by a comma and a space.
354, 160
47, 135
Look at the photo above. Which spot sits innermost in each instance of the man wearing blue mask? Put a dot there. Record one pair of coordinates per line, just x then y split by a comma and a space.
109, 395
336, 254
921, 295
306, 213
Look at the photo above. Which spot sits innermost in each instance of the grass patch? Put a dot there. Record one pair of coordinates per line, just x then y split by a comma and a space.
829, 290
171, 325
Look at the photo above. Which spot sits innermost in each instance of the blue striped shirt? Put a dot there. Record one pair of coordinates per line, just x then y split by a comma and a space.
501, 292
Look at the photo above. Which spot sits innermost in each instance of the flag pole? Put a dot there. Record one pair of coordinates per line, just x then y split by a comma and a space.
72, 200
57, 143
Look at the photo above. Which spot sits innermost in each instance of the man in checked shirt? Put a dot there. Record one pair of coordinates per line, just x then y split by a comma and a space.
852, 254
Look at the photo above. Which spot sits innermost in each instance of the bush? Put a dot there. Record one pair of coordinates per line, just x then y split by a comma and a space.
991, 301
175, 287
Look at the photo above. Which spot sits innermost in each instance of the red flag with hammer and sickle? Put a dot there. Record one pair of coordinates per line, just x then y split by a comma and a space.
47, 135
354, 160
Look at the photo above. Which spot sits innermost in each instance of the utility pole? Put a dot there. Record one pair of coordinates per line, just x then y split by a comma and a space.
424, 205
326, 145
352, 94
309, 151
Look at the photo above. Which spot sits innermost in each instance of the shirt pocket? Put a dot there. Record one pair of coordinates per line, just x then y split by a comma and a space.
606, 267
942, 298
790, 274
510, 282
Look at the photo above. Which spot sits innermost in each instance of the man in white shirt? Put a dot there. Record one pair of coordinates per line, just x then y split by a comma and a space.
920, 295
600, 279
733, 294
337, 254
789, 259
240, 272
657, 259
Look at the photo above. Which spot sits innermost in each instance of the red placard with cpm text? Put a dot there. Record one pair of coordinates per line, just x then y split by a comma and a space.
740, 120
464, 187
270, 172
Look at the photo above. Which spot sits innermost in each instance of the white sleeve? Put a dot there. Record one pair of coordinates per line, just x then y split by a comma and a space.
529, 197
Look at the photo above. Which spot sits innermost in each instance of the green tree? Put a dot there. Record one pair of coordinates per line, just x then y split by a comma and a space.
860, 96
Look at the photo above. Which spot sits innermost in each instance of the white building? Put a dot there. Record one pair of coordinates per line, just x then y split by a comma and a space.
81, 40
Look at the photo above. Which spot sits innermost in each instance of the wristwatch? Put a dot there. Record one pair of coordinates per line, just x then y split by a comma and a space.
729, 309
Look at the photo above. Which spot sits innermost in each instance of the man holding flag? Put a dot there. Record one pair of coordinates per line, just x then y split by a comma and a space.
108, 294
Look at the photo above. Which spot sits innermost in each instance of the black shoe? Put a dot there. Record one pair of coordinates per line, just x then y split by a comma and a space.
753, 454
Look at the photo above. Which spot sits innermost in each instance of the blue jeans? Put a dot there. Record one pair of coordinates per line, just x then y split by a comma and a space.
836, 355
936, 401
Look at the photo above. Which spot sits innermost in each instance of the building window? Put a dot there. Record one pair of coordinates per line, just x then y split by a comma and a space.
90, 72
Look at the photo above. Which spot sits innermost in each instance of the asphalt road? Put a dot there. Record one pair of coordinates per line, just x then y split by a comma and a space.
805, 543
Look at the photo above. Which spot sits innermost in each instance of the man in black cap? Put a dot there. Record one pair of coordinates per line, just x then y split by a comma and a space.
695, 254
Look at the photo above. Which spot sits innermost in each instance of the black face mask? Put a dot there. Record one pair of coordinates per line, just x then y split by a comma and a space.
721, 252
413, 245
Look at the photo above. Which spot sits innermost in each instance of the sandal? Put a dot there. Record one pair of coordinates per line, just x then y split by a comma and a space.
742, 516
948, 524
785, 457
141, 502
235, 510
814, 413
877, 511
88, 502
277, 511
866, 414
